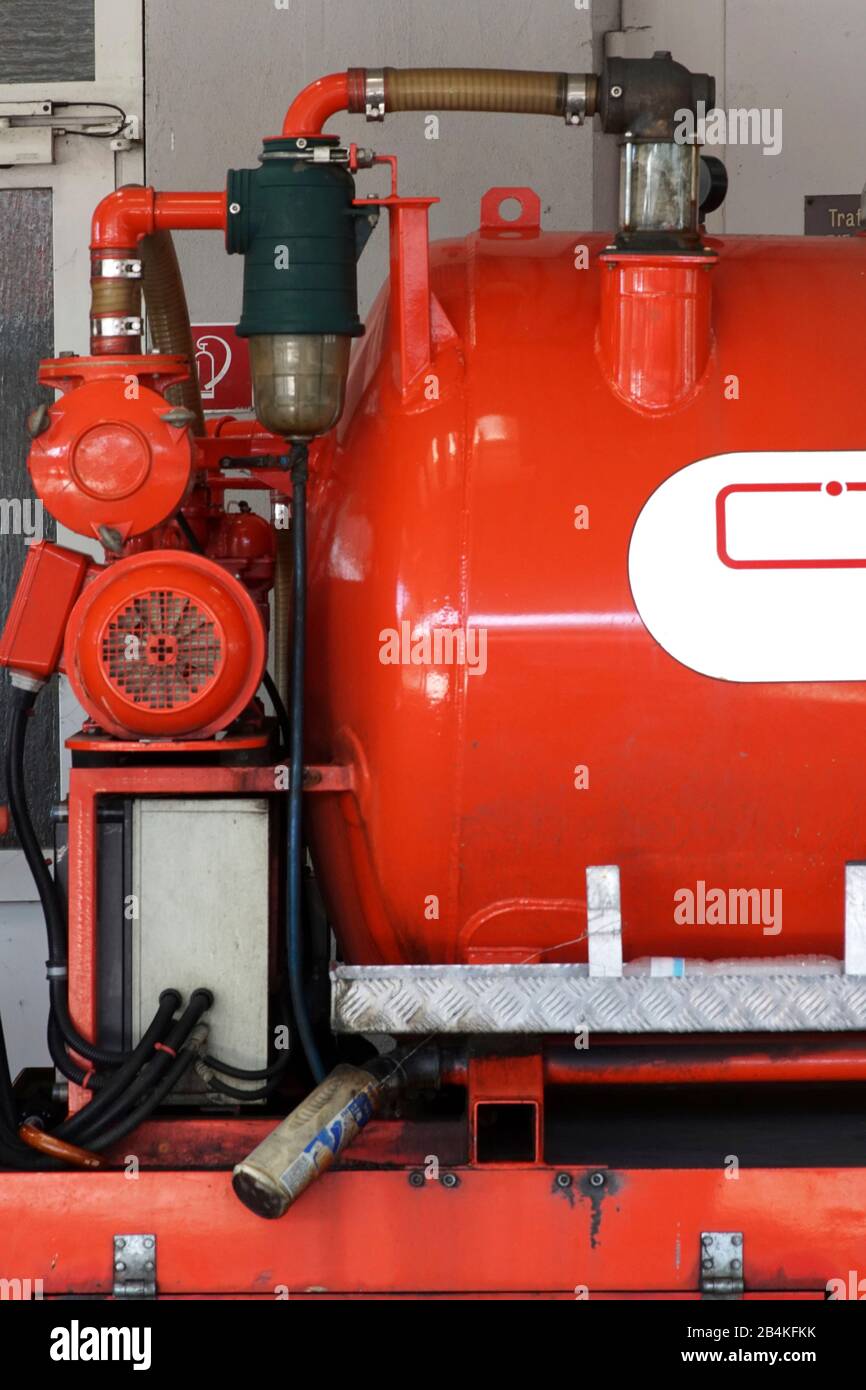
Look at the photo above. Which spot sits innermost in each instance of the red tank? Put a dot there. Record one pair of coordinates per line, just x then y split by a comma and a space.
579, 495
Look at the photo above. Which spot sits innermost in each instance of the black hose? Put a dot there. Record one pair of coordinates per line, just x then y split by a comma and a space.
178, 1069
111, 1090
22, 707
295, 867
86, 1126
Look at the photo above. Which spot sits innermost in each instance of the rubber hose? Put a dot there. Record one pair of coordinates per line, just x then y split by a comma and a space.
97, 1114
476, 89
22, 704
168, 317
169, 1001
295, 865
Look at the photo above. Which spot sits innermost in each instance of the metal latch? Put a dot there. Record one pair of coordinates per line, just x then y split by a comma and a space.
722, 1264
135, 1266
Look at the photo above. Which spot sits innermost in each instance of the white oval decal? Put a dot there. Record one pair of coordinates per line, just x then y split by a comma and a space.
752, 567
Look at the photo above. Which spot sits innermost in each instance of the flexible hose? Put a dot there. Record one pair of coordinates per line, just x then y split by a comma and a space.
295, 865
476, 89
282, 609
169, 1001
106, 1109
22, 706
168, 317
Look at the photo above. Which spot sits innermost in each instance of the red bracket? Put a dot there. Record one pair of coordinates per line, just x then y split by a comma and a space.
526, 219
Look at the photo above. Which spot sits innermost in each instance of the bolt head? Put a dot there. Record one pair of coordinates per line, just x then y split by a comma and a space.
616, 91
563, 1180
234, 208
596, 1179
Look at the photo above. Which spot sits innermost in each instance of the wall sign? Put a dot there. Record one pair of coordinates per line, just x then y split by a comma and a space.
832, 214
223, 363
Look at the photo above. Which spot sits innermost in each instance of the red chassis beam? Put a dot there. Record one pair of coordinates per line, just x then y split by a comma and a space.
499, 1230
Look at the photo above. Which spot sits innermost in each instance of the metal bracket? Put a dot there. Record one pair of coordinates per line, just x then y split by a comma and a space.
135, 1266
722, 1264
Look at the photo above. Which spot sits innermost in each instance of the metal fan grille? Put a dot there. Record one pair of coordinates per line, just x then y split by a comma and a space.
162, 650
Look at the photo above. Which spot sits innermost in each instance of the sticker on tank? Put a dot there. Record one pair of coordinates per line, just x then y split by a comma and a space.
752, 566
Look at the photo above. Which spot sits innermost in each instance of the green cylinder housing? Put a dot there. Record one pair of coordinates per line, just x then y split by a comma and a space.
293, 221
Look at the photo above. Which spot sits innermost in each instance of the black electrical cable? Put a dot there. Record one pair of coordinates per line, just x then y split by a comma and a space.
87, 1124
97, 134
267, 679
295, 867
180, 1066
22, 707
116, 1087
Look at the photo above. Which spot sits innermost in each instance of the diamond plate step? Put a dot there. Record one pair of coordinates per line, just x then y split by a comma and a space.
563, 999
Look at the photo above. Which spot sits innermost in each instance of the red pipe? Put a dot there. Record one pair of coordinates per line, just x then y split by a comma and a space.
321, 100
128, 214
641, 1066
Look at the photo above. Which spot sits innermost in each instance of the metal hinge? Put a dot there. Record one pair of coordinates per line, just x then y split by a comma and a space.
135, 1266
722, 1264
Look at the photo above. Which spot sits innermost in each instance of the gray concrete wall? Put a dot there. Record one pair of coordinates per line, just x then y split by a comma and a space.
220, 75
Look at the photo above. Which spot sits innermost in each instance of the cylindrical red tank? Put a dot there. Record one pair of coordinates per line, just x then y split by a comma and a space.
483, 796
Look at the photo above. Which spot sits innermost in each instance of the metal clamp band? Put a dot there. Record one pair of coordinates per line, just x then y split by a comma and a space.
374, 94
575, 98
116, 328
56, 972
113, 269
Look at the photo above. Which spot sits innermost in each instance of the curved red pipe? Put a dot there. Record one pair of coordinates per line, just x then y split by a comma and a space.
128, 214
317, 103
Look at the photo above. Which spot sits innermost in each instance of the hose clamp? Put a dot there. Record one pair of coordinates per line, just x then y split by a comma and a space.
575, 98
112, 269
116, 328
56, 972
374, 94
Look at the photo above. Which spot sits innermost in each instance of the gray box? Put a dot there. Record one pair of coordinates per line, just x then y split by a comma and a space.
200, 885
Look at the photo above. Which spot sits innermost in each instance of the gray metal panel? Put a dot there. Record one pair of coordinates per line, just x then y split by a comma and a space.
200, 881
563, 999
26, 335
44, 41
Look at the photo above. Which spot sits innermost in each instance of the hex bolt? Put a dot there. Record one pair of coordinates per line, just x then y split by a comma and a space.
736, 1240
450, 1179
735, 1264
148, 1242
119, 1266
563, 1180
616, 91
596, 1179
234, 208
120, 1242
416, 1178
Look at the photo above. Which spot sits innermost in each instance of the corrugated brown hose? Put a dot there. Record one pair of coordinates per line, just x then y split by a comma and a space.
168, 317
476, 89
